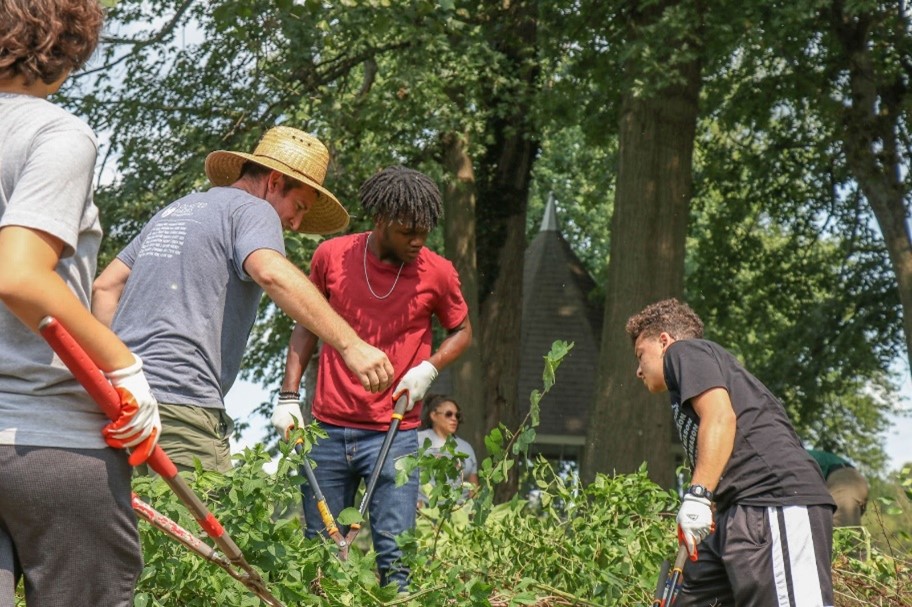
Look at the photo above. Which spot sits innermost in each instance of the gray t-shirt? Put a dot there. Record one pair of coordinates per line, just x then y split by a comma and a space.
47, 162
467, 466
188, 306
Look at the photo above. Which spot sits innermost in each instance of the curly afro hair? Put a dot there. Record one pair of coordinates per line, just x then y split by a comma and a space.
669, 315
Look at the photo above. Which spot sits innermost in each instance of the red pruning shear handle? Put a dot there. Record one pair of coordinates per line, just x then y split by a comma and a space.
100, 389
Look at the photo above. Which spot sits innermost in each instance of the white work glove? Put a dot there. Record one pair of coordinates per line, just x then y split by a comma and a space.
139, 426
416, 382
695, 522
287, 415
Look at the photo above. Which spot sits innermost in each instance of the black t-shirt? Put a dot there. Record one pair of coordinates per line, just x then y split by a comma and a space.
768, 466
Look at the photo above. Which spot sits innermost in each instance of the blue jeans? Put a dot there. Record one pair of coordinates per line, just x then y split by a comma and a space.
341, 461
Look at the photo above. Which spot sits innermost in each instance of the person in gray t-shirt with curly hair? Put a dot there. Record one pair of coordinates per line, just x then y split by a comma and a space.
66, 522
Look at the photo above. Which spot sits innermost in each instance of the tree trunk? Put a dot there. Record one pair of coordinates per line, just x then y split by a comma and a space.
870, 127
459, 237
505, 174
628, 426
501, 323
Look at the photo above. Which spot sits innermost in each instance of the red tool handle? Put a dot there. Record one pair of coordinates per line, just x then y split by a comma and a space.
95, 383
99, 388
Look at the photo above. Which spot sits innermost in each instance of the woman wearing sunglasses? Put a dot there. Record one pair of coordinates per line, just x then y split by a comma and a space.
440, 419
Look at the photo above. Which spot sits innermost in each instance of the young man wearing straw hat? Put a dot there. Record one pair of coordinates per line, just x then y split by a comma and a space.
184, 293
389, 286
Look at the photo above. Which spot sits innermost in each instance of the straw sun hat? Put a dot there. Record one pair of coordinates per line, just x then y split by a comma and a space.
293, 153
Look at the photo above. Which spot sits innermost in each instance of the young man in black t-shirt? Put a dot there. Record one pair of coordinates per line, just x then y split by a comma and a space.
772, 539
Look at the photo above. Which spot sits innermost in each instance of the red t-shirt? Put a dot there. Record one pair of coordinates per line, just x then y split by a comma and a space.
399, 325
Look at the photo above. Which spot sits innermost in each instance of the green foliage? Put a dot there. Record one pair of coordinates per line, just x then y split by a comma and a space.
889, 513
879, 580
599, 544
561, 544
378, 82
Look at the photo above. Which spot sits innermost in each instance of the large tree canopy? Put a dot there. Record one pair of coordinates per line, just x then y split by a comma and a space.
737, 150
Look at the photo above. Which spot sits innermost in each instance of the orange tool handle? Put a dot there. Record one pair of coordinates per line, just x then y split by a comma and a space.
100, 389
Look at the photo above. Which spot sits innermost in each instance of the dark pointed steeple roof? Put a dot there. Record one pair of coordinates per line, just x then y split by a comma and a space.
557, 304
549, 220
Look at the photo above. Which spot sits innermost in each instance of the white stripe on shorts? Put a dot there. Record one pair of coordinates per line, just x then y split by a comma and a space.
796, 537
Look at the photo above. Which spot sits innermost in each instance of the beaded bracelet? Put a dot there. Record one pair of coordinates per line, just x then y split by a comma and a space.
289, 394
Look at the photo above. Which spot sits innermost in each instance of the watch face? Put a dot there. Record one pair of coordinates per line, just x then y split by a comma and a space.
699, 491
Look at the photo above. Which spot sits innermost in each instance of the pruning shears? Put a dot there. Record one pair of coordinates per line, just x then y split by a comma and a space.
181, 535
395, 420
105, 395
670, 581
332, 529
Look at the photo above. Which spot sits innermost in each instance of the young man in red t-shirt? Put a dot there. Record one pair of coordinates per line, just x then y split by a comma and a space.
388, 287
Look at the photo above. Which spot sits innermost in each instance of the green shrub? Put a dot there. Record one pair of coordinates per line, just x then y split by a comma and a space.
560, 544
600, 544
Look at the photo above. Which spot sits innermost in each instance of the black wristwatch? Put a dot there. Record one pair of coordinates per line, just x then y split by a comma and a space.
700, 491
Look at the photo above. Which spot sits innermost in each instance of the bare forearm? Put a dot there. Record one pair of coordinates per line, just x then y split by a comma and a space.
314, 313
301, 348
713, 451
104, 305
291, 290
300, 299
107, 289
716, 437
452, 347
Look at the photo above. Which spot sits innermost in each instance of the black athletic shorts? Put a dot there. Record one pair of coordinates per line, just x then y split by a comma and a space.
777, 556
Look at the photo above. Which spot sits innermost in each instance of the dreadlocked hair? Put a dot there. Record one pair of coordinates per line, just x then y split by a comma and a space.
401, 194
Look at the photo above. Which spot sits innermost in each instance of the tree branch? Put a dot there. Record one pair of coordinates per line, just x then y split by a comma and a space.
139, 44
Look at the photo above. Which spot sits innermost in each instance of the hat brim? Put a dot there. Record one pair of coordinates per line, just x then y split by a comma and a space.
326, 216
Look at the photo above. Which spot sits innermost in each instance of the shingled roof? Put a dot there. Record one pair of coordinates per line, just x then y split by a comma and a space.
557, 306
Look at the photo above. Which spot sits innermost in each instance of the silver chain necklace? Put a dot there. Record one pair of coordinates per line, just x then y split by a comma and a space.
395, 282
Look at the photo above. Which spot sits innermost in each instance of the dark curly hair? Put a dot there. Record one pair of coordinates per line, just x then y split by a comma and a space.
46, 39
401, 194
669, 315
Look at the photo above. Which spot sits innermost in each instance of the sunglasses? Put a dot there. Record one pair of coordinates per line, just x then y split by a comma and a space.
449, 414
